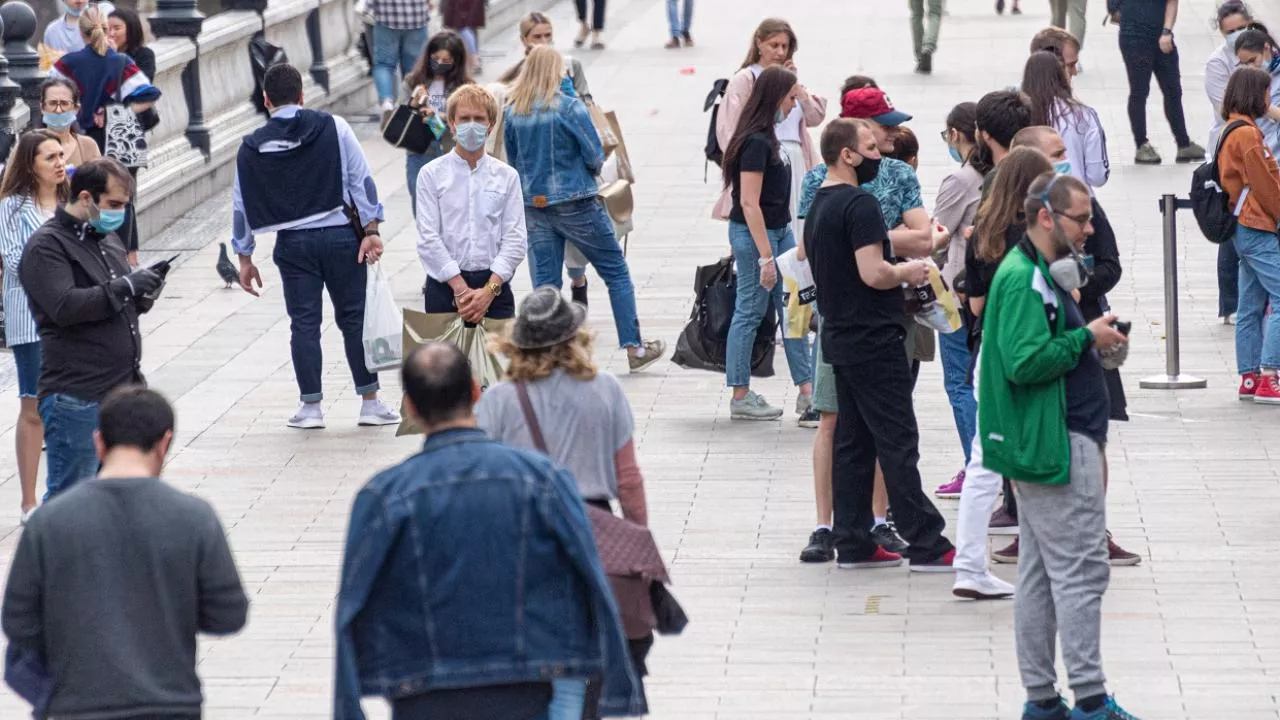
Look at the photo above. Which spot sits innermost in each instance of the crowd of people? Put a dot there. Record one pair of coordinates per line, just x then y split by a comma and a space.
540, 628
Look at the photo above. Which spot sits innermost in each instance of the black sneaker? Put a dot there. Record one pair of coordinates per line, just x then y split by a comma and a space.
924, 65
886, 536
578, 293
821, 547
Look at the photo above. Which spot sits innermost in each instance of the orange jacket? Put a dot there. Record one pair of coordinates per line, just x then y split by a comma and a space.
1246, 162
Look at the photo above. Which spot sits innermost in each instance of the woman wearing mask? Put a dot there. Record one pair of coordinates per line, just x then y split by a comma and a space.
551, 142
1053, 104
956, 207
535, 30
59, 106
34, 185
773, 45
1256, 48
760, 186
440, 70
1246, 162
1232, 20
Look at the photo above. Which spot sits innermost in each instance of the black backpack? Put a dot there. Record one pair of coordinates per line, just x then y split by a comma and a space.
1209, 201
713, 151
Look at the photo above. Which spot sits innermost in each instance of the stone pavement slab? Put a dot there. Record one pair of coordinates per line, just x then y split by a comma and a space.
1189, 634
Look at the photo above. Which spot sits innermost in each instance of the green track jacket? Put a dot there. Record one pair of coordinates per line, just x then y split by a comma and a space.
1026, 353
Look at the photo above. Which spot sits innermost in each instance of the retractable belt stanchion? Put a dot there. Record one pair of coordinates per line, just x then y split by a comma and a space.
1173, 379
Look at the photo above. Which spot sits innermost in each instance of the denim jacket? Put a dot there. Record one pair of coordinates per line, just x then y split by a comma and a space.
556, 151
472, 564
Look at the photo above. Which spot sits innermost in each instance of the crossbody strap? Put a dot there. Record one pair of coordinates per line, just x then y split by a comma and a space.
530, 417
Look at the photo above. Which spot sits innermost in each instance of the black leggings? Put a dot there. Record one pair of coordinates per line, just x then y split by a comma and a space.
597, 15
1142, 58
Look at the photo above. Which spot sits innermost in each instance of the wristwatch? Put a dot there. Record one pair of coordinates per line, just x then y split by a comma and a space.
494, 287
1167, 31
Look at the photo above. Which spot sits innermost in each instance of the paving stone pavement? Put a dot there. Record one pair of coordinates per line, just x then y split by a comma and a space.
1194, 485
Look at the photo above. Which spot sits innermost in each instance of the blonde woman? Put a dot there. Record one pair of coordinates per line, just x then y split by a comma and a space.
551, 142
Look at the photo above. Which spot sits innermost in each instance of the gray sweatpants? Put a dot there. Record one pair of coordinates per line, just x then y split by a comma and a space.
1062, 575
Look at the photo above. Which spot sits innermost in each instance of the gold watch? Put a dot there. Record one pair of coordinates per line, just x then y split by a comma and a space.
495, 288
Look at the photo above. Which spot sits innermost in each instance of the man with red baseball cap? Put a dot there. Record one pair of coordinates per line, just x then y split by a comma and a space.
870, 103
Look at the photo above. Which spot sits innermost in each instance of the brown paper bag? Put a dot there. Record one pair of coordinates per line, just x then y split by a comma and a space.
624, 159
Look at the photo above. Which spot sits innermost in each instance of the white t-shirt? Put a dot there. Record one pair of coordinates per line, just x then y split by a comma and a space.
790, 128
436, 97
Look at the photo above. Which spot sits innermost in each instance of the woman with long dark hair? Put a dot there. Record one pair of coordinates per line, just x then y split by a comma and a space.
34, 185
440, 70
124, 32
758, 179
1047, 86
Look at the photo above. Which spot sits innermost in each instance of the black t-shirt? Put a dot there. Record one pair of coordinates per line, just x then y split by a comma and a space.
979, 273
858, 321
760, 154
1088, 402
1141, 18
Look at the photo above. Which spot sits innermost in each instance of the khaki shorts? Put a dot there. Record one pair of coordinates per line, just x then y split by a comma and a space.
824, 376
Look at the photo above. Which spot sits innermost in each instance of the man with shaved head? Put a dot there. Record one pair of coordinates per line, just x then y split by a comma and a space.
471, 577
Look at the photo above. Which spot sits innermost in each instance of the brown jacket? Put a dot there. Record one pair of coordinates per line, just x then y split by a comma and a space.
1246, 163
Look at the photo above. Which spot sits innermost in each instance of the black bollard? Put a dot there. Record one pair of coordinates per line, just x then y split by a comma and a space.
19, 22
181, 18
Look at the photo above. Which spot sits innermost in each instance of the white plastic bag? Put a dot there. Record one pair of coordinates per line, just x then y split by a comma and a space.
798, 272
383, 346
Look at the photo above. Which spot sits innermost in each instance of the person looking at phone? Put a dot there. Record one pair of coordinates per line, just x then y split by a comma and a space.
86, 300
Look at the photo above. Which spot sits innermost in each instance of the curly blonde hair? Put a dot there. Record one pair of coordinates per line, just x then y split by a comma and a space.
573, 356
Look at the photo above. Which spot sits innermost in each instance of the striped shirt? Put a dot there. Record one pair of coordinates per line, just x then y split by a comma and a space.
19, 218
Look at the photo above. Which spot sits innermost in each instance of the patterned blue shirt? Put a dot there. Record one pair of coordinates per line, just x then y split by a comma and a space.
896, 188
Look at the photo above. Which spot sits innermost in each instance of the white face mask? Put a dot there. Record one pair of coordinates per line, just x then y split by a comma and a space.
470, 135
1231, 40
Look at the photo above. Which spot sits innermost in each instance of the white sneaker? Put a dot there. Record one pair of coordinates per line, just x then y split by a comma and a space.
375, 412
308, 417
982, 587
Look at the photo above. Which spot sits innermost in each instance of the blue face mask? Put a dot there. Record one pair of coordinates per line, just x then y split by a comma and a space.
108, 220
71, 11
1062, 168
955, 154
779, 117
59, 121
470, 136
1232, 38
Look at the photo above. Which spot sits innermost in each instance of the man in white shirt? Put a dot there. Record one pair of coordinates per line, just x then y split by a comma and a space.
471, 231
63, 34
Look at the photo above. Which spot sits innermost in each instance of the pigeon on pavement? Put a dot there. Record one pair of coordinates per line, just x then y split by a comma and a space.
226, 270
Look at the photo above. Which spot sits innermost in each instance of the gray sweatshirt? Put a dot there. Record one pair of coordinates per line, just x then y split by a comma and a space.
109, 586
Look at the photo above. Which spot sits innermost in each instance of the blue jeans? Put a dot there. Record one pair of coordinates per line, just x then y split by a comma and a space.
954, 348
413, 164
585, 224
749, 309
679, 24
310, 261
392, 47
69, 423
1228, 279
1257, 347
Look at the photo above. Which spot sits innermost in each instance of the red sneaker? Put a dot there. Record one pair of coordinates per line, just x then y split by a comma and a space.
1248, 385
945, 563
1268, 391
878, 559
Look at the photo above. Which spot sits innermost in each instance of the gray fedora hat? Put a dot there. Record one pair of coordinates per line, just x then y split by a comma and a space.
546, 319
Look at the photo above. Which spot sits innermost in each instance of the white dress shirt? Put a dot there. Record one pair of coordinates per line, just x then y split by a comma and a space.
470, 219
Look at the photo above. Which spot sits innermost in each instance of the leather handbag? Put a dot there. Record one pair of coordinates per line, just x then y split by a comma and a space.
607, 138
407, 130
619, 203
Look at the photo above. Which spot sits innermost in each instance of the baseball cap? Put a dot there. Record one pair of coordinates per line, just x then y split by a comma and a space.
871, 103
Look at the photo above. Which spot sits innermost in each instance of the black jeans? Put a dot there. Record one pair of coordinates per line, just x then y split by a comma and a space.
597, 14
1228, 278
1142, 58
438, 296
877, 421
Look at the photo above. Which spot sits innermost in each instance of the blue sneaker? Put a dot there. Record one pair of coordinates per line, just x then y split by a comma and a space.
1110, 710
1033, 711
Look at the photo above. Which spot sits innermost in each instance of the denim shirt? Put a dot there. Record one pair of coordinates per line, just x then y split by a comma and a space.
556, 150
472, 564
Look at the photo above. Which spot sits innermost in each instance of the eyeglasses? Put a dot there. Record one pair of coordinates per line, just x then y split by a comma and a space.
943, 135
59, 105
1080, 220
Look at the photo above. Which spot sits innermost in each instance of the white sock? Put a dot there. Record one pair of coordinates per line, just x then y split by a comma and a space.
880, 520
823, 527
311, 408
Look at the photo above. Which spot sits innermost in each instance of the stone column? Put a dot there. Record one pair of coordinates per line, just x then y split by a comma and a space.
9, 92
180, 18
19, 22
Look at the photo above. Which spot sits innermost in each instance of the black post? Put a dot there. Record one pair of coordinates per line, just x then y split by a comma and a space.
180, 18
19, 22
319, 71
258, 6
9, 91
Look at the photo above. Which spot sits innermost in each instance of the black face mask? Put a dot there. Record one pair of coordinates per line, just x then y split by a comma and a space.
868, 170
440, 68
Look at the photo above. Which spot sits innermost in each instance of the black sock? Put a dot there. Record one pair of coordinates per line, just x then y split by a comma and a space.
1091, 703
1048, 704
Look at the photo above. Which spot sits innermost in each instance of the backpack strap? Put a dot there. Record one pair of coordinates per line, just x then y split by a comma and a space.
1222, 139
530, 417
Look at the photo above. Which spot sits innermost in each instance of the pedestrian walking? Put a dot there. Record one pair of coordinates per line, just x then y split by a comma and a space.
63, 34
294, 177
86, 301
1047, 85
59, 106
551, 142
34, 185
864, 338
924, 32
758, 175
1060, 43
955, 209
679, 23
441, 69
1042, 414
467, 18
1250, 178
471, 228
1232, 19
441, 625
111, 584
1014, 10
593, 29
1147, 46
1074, 12
399, 35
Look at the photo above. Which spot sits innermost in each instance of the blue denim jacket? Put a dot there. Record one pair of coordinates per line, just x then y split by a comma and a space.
471, 564
556, 151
